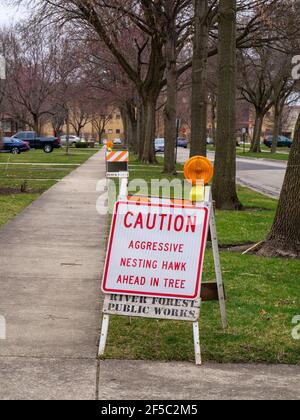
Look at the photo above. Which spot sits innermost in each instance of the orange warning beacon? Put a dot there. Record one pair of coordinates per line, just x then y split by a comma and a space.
198, 168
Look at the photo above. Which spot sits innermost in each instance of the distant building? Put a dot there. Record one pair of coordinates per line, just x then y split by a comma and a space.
114, 128
9, 125
290, 117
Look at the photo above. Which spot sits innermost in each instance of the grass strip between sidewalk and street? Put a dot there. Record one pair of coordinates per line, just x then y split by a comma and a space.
263, 297
263, 155
281, 154
20, 183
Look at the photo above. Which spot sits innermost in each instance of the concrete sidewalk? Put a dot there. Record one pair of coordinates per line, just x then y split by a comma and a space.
139, 380
51, 260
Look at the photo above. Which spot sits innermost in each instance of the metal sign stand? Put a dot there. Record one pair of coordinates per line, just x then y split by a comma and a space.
105, 322
216, 255
221, 294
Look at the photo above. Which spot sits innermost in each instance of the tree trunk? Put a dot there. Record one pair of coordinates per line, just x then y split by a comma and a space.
68, 131
149, 128
78, 131
134, 134
100, 133
284, 238
140, 131
277, 126
224, 183
171, 105
126, 125
131, 126
259, 119
36, 124
1, 140
199, 80
213, 119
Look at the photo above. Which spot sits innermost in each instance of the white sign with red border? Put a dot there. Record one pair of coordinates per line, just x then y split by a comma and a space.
156, 249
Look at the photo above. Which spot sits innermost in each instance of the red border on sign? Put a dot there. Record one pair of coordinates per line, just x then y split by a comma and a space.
201, 257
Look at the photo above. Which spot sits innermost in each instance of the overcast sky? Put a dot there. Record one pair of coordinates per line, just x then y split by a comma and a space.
10, 14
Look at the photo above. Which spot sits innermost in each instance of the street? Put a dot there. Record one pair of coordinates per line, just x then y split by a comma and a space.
262, 175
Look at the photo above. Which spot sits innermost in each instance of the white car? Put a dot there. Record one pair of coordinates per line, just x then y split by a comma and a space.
72, 140
117, 141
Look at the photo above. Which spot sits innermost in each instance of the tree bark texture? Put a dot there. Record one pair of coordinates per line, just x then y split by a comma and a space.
171, 105
284, 238
277, 125
259, 119
224, 183
199, 80
149, 107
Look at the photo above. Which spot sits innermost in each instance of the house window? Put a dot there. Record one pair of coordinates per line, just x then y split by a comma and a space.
118, 131
118, 116
110, 131
6, 126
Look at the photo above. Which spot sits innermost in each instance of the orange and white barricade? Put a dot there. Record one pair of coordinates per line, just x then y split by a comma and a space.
117, 164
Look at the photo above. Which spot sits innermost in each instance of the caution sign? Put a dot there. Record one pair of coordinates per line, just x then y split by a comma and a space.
156, 249
117, 164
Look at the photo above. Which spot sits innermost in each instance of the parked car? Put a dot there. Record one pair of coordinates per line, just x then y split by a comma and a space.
35, 142
282, 141
182, 143
159, 145
210, 141
14, 146
117, 141
72, 140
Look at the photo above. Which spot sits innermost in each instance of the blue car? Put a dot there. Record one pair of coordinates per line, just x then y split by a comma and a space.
182, 143
15, 146
282, 141
159, 145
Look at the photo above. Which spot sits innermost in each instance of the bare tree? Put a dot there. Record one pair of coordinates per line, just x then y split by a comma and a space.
111, 88
30, 75
176, 30
100, 121
224, 183
282, 95
108, 21
199, 78
256, 87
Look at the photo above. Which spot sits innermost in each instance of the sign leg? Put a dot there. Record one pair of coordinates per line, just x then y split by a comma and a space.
197, 344
104, 333
215, 246
123, 188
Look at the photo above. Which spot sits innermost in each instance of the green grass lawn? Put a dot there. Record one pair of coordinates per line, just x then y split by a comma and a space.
12, 204
76, 156
35, 178
277, 156
263, 296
